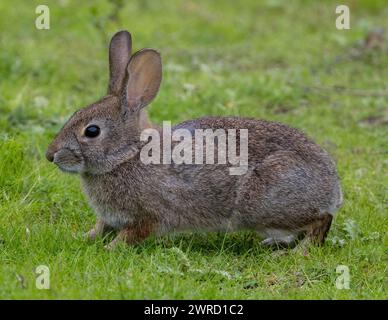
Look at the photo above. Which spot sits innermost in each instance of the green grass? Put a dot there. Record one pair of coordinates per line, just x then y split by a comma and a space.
276, 60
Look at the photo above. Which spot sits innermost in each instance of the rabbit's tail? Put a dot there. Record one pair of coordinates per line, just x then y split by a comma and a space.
340, 198
336, 201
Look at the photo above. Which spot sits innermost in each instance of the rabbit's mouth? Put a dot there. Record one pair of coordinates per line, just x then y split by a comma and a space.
69, 160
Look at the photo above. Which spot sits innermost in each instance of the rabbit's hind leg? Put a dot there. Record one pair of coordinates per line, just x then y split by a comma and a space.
318, 230
279, 239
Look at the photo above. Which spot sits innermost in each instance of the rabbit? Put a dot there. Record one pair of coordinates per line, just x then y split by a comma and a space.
290, 191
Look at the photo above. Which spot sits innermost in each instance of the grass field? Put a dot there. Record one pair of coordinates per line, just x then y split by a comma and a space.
275, 60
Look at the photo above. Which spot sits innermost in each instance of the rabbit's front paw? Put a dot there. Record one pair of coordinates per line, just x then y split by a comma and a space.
91, 234
98, 231
110, 246
133, 234
120, 238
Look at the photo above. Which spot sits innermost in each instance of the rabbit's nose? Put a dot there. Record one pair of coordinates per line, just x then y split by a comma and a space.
50, 155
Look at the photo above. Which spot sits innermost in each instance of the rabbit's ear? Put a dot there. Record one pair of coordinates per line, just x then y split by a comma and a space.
119, 53
144, 77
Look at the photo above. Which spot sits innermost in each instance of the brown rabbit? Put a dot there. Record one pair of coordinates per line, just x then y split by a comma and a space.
290, 189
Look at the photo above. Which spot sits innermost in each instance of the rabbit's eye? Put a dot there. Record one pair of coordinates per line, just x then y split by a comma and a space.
92, 131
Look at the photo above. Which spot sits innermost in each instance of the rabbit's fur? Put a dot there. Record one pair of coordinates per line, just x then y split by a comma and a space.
290, 189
